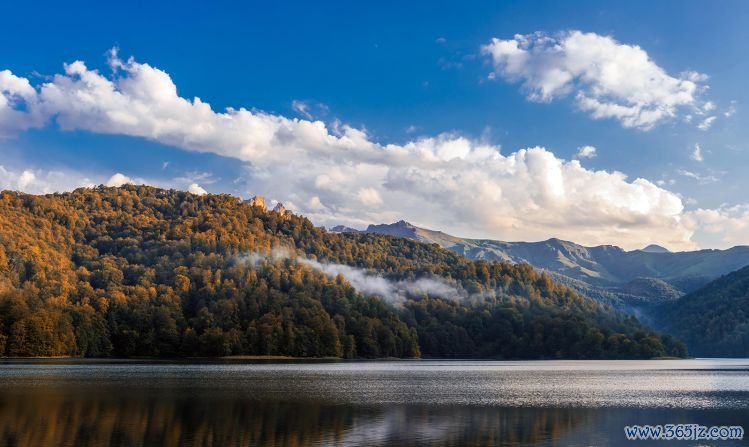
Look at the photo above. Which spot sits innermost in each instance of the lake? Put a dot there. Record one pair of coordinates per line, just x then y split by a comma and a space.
410, 403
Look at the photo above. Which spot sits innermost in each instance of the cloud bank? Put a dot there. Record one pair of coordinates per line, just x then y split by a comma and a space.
338, 174
607, 79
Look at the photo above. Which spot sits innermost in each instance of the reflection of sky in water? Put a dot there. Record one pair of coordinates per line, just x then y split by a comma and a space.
362, 403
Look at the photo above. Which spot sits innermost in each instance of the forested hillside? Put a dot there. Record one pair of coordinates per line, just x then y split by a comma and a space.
714, 321
632, 281
139, 271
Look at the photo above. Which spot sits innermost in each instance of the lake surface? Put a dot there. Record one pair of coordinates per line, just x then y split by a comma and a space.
411, 403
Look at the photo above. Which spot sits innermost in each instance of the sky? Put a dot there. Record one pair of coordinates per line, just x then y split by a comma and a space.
599, 122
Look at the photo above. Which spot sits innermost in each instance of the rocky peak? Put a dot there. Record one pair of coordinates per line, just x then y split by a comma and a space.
399, 229
280, 209
258, 201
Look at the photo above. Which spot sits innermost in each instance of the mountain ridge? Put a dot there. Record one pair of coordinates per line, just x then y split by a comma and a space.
607, 272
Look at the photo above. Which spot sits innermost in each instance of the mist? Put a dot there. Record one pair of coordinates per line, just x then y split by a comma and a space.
364, 281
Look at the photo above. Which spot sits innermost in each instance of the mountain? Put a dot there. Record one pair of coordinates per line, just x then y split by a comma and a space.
714, 320
607, 273
653, 248
342, 229
142, 271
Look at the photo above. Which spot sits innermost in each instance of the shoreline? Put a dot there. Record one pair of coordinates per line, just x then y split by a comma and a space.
334, 359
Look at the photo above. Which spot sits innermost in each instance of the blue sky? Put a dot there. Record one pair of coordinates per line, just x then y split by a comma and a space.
405, 73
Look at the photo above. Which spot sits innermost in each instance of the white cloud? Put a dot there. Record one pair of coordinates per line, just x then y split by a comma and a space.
697, 153
118, 179
706, 123
608, 79
395, 292
337, 174
37, 181
41, 181
364, 281
301, 108
731, 110
26, 179
15, 90
701, 178
309, 110
194, 188
723, 227
369, 196
586, 152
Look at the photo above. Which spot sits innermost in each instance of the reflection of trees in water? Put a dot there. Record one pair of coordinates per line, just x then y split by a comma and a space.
67, 418
467, 426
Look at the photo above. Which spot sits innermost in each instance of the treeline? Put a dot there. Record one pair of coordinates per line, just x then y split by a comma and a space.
140, 271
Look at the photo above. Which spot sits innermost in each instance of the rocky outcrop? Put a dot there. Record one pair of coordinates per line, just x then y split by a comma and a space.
280, 209
258, 201
398, 229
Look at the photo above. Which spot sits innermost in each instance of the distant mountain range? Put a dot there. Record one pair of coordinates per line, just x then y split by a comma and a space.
607, 273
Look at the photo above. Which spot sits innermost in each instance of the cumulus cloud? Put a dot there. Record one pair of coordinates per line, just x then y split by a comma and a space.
697, 153
337, 174
43, 181
118, 179
15, 91
369, 196
194, 188
608, 79
722, 227
586, 152
37, 181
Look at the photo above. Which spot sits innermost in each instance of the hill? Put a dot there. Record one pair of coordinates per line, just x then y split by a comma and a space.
607, 273
714, 320
140, 271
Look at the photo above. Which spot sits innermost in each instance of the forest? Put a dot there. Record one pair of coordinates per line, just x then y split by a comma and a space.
713, 320
142, 271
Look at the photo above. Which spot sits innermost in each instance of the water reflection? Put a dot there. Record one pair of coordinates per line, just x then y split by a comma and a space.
62, 419
410, 404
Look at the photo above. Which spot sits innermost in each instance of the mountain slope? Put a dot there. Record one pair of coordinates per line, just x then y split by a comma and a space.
607, 273
714, 320
143, 271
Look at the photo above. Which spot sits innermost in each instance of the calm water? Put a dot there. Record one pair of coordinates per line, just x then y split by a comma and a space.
453, 403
